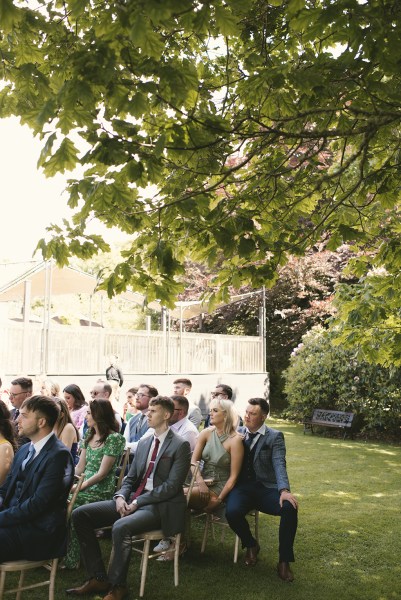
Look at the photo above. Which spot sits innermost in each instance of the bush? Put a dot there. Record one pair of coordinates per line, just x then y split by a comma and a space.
324, 375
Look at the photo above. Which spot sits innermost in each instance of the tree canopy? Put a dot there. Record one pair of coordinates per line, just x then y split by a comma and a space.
260, 127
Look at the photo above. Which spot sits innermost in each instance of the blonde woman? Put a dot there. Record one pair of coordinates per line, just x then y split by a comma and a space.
221, 449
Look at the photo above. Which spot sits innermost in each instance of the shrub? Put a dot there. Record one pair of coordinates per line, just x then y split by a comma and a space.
324, 375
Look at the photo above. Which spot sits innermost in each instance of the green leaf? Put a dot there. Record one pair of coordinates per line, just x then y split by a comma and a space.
64, 159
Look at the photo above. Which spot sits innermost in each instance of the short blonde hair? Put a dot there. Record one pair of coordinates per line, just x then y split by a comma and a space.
231, 415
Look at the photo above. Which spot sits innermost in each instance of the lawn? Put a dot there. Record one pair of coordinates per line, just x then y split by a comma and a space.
348, 544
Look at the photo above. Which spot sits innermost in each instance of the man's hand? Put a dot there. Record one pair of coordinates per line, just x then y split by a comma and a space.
286, 495
123, 508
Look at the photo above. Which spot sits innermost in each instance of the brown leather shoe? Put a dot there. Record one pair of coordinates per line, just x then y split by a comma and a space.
251, 556
284, 571
118, 592
92, 586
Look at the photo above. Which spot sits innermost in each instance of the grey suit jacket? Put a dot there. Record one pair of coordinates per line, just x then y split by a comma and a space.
170, 471
269, 461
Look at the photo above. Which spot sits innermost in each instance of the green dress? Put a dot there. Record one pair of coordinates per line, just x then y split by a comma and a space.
103, 490
217, 462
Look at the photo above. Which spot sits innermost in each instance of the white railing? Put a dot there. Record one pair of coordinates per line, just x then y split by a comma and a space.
67, 350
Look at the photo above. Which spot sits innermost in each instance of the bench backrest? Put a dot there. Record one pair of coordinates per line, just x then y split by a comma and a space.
334, 417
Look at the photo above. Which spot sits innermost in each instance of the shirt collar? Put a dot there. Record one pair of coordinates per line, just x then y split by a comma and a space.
162, 437
41, 443
261, 430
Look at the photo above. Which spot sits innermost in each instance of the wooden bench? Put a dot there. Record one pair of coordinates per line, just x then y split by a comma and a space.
329, 418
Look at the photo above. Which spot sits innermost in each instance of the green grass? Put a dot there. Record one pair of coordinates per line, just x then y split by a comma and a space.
348, 544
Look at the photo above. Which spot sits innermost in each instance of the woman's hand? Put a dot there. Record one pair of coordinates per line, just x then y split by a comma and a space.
214, 503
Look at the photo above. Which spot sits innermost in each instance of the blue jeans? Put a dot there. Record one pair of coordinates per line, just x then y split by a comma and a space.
250, 495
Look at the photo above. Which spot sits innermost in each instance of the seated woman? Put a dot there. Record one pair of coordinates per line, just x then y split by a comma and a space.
221, 449
100, 451
76, 403
8, 444
65, 429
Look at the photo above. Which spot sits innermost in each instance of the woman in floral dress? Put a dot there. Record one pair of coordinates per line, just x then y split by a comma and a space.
100, 453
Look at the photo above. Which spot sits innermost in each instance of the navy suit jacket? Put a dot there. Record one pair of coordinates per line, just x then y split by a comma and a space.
269, 461
170, 471
39, 517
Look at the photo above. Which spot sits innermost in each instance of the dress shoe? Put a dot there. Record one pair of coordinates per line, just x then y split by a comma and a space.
251, 556
92, 586
118, 592
284, 571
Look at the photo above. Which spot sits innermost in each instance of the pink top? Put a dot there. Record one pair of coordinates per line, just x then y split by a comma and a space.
79, 415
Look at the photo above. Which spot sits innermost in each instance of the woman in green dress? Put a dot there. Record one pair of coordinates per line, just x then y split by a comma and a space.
100, 453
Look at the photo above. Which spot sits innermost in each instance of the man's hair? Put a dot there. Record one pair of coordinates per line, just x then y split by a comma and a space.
226, 389
152, 390
182, 401
186, 382
264, 404
43, 405
25, 383
163, 401
107, 388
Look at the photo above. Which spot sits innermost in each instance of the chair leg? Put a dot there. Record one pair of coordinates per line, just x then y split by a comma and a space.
176, 557
2, 583
146, 547
206, 531
236, 548
20, 584
53, 573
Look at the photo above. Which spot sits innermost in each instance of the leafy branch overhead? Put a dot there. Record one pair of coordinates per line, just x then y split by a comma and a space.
261, 127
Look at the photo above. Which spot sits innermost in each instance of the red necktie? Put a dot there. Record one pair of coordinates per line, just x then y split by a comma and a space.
148, 470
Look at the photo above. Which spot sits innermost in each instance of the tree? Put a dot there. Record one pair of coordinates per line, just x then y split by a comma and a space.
322, 374
264, 126
301, 298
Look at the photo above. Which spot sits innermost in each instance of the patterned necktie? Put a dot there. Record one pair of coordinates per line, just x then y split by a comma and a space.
16, 414
28, 458
148, 470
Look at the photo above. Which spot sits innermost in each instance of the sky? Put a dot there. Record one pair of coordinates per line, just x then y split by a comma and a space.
29, 201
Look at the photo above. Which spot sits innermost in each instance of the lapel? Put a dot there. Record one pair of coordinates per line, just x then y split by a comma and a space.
164, 447
261, 441
142, 453
38, 461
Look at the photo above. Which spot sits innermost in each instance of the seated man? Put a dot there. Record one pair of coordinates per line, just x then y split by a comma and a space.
151, 497
138, 426
33, 499
263, 485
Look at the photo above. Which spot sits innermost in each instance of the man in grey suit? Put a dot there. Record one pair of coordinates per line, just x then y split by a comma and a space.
263, 485
151, 497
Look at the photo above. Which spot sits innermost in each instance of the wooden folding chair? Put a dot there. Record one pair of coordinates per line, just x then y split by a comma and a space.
151, 536
212, 521
27, 565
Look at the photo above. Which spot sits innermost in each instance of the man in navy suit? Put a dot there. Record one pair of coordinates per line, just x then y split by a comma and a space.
33, 499
263, 485
151, 497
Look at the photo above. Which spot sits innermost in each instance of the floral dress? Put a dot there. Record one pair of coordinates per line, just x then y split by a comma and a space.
103, 490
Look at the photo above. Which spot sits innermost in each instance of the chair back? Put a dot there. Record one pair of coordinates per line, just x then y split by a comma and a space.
123, 465
75, 493
194, 471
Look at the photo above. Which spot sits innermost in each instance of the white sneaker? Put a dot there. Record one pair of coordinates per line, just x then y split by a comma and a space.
162, 546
